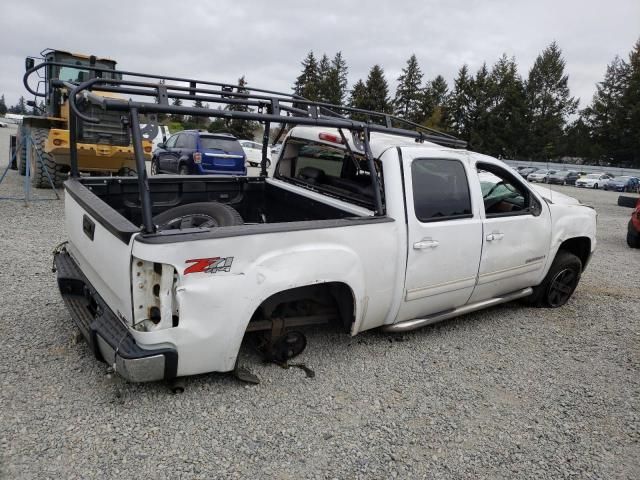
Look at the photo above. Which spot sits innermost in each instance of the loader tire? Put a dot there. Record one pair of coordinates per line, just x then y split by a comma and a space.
201, 214
21, 154
58, 173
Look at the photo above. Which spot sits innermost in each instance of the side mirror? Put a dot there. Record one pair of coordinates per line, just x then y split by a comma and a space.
31, 103
29, 63
161, 145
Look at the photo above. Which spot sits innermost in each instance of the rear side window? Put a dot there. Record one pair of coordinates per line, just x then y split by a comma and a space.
220, 143
440, 190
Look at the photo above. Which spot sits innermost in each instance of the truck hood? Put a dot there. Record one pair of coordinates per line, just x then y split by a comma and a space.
555, 197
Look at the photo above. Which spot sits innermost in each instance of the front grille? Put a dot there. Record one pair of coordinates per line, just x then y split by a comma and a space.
110, 130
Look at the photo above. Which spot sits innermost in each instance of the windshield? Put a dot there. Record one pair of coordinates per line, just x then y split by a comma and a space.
593, 175
220, 143
621, 179
542, 172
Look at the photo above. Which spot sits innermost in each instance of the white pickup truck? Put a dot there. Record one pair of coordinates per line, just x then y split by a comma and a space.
459, 231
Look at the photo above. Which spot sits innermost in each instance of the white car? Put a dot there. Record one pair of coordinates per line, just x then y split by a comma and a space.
593, 180
4, 125
253, 150
541, 176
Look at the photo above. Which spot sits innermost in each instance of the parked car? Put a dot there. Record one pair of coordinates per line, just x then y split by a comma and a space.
162, 134
525, 171
633, 227
192, 152
253, 151
592, 180
541, 175
563, 177
622, 183
3, 125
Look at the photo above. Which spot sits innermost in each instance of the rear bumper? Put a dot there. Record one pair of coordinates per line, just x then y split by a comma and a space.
108, 338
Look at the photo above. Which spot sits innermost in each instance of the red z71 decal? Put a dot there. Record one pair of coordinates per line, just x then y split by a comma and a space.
209, 265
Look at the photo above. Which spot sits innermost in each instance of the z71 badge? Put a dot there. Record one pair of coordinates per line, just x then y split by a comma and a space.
209, 265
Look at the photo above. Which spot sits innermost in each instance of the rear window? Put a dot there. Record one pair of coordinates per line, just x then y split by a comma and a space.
440, 190
220, 143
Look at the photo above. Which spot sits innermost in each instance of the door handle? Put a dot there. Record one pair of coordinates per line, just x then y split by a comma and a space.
426, 243
495, 236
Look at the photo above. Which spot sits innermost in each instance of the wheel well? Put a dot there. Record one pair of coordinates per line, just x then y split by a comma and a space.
580, 247
311, 300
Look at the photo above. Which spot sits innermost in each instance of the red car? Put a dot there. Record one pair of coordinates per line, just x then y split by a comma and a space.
633, 229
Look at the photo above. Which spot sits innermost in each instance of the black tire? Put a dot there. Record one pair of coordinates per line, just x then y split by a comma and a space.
183, 170
559, 284
154, 166
627, 201
58, 173
595, 186
202, 214
633, 237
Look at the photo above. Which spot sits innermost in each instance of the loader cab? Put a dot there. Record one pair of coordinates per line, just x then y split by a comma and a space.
78, 69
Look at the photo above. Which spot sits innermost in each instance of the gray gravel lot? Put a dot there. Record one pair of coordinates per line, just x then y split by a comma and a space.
510, 392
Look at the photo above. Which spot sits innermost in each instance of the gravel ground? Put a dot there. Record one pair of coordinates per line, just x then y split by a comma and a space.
510, 392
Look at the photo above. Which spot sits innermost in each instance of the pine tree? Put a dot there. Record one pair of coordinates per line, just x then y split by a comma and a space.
631, 107
506, 135
241, 128
324, 74
549, 103
479, 109
307, 84
3, 105
407, 102
377, 91
459, 105
605, 116
334, 82
433, 104
176, 117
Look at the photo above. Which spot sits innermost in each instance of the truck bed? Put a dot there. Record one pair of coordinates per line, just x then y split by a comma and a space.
254, 198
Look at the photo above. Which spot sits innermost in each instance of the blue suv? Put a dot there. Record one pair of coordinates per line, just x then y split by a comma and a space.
195, 152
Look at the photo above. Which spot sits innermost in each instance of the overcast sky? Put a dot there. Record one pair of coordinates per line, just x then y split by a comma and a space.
266, 40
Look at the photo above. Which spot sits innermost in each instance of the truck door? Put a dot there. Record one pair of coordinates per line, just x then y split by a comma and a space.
164, 156
444, 233
517, 233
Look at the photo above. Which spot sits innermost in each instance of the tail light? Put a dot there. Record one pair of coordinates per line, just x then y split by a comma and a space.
197, 157
155, 306
330, 137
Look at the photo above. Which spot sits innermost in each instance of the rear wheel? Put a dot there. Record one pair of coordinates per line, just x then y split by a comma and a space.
154, 166
633, 237
201, 214
183, 170
559, 284
595, 186
41, 160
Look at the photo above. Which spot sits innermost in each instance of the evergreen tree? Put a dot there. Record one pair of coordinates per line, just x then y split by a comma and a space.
358, 97
334, 81
433, 104
506, 135
3, 105
407, 102
605, 116
324, 74
631, 107
479, 109
242, 129
196, 120
459, 105
307, 84
176, 117
549, 103
377, 91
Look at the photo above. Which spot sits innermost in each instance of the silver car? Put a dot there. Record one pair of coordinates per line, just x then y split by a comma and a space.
541, 176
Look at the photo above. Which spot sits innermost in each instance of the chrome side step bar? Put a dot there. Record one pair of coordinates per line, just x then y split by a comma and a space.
454, 312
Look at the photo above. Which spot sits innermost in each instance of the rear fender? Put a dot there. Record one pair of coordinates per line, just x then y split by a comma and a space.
215, 309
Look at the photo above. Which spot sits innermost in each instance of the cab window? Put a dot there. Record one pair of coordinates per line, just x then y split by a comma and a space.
503, 194
440, 190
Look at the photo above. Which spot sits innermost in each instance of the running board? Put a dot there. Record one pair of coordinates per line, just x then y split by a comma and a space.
454, 312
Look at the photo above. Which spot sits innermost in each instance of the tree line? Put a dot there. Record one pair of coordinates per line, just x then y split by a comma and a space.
497, 110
